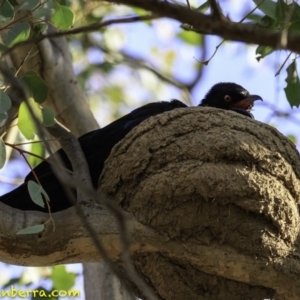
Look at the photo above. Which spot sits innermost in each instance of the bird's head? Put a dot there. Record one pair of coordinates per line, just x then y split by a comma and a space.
227, 95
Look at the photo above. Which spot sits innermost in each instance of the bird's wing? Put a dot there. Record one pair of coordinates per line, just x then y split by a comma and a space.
96, 146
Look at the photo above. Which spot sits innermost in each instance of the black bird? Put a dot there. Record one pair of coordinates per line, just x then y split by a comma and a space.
96, 145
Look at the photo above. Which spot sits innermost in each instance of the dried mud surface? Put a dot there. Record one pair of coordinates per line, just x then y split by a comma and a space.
210, 177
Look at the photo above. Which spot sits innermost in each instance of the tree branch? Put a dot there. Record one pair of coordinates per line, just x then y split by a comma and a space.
83, 29
216, 10
207, 24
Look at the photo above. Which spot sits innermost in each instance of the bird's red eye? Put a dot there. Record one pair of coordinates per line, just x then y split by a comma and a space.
227, 98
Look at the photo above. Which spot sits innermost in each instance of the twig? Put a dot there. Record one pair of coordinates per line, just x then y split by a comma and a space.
206, 62
280, 69
14, 146
39, 183
188, 4
141, 63
199, 74
88, 28
216, 10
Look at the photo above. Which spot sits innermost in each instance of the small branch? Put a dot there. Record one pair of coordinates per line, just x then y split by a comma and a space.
190, 86
39, 183
138, 62
216, 10
206, 62
88, 28
280, 69
188, 4
15, 146
250, 12
71, 146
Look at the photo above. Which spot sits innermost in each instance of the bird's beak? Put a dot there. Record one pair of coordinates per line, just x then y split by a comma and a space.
246, 104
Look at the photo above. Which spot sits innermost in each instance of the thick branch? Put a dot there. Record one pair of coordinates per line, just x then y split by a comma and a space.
74, 244
208, 24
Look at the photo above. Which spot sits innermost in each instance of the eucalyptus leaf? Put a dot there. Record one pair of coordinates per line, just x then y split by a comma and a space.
263, 51
6, 11
48, 117
63, 17
5, 102
26, 123
36, 193
38, 149
17, 33
267, 6
32, 229
190, 37
2, 153
36, 86
62, 279
292, 90
3, 118
29, 5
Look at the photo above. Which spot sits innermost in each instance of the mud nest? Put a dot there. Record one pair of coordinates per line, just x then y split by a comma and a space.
211, 177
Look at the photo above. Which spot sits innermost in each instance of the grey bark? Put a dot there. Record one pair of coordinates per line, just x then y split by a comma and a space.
53, 63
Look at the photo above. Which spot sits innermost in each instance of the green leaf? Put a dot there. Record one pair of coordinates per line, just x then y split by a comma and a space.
263, 51
64, 2
267, 6
295, 19
254, 17
6, 11
41, 12
37, 87
25, 122
2, 154
36, 192
106, 67
267, 23
38, 149
3, 47
62, 280
292, 90
5, 102
13, 2
29, 5
281, 12
3, 118
40, 28
12, 281
48, 117
190, 37
296, 9
140, 12
32, 229
63, 17
17, 33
